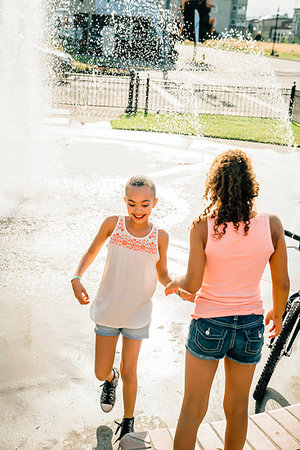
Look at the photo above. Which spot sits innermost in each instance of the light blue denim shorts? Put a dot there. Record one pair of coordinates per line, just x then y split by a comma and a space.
239, 338
131, 333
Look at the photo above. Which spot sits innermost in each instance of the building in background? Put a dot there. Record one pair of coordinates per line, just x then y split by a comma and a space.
266, 27
229, 15
296, 22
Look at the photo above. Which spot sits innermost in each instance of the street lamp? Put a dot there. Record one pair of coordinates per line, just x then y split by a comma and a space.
275, 32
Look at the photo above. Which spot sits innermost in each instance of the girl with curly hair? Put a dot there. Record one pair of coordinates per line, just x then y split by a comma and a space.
230, 245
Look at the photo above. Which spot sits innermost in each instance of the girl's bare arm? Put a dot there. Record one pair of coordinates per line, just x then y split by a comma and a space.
192, 280
88, 257
279, 275
162, 266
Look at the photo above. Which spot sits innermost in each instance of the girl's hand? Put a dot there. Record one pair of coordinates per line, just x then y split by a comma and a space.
187, 296
171, 288
277, 323
80, 292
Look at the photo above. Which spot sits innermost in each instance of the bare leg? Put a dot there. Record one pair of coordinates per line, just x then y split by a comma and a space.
238, 378
105, 349
199, 375
130, 354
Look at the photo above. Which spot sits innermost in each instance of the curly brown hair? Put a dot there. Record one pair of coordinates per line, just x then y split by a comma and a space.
230, 187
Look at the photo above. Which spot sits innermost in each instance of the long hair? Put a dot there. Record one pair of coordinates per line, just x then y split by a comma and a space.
231, 188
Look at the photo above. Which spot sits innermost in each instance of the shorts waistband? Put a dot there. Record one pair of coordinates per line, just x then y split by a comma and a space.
238, 321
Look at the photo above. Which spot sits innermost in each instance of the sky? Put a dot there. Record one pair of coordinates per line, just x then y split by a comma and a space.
258, 8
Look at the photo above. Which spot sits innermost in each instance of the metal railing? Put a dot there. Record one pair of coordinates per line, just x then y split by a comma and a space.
89, 90
133, 93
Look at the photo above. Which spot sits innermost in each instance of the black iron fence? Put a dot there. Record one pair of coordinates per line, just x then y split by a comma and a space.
133, 93
89, 90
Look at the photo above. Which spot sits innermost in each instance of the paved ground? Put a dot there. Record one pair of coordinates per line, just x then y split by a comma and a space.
49, 396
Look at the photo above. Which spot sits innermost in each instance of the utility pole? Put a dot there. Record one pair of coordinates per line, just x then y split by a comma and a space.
166, 39
275, 32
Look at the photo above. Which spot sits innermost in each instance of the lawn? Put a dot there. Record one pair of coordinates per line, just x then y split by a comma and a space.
283, 50
227, 127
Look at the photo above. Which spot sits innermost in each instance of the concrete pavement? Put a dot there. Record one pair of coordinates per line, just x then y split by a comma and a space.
49, 396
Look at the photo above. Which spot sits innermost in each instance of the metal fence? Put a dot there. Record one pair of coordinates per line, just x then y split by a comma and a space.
132, 94
88, 90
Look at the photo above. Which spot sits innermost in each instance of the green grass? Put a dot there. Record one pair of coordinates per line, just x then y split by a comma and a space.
296, 132
218, 126
290, 56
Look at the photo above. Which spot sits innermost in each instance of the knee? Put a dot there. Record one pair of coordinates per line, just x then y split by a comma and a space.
128, 373
235, 408
194, 407
102, 374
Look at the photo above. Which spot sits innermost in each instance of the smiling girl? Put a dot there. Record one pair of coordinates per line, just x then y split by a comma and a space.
137, 257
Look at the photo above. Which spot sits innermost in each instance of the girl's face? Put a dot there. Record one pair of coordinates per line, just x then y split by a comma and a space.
139, 201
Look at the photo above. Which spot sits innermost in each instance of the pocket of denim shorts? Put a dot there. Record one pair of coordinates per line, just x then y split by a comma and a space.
254, 340
209, 339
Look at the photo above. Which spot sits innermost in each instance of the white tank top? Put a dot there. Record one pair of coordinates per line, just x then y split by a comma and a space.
128, 281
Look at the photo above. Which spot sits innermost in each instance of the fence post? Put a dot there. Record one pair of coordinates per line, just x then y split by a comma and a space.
128, 110
137, 86
293, 91
147, 95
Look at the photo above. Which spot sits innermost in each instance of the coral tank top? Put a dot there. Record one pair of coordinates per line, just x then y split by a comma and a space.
234, 266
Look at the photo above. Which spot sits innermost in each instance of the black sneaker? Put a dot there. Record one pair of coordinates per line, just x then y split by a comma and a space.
126, 426
108, 394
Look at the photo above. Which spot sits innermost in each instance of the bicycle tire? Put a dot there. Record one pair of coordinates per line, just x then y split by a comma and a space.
275, 353
271, 400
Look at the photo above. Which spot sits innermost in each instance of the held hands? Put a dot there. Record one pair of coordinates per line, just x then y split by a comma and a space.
187, 296
277, 323
80, 292
172, 288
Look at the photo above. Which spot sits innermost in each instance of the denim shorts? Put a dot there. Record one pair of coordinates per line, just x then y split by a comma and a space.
131, 333
239, 338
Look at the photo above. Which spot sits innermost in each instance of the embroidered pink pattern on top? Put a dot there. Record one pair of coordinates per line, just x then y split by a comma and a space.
121, 238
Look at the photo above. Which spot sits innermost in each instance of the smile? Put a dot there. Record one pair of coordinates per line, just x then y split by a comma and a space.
139, 217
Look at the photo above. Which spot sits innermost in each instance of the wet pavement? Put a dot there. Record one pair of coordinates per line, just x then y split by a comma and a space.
49, 395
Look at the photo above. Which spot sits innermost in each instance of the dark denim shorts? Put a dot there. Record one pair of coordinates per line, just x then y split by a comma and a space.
237, 337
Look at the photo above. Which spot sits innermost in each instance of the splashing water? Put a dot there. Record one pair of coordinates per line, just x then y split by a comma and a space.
22, 92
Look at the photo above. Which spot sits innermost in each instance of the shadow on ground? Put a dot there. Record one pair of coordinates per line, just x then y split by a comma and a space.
131, 441
104, 438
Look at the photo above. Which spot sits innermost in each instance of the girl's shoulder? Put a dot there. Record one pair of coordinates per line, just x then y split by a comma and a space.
110, 223
200, 225
275, 224
199, 230
162, 238
162, 235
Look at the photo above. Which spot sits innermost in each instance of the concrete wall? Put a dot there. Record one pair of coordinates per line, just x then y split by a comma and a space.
221, 12
229, 14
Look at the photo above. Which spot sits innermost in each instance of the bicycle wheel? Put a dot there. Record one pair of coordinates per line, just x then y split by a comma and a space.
271, 400
276, 351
